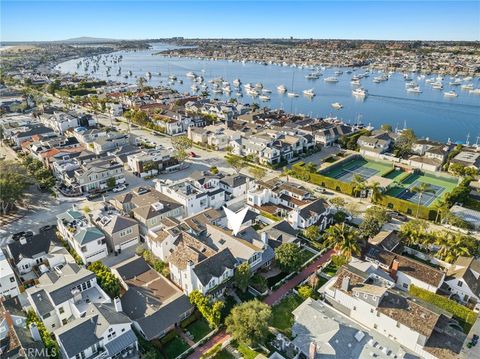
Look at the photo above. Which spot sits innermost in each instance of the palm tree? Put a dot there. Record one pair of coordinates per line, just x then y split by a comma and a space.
414, 233
421, 190
451, 246
375, 191
358, 184
442, 207
344, 239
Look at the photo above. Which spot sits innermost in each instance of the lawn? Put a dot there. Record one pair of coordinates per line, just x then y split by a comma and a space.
321, 281
247, 352
223, 354
306, 255
330, 270
229, 304
271, 281
199, 329
174, 348
282, 317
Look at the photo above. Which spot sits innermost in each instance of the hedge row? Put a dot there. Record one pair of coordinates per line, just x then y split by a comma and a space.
407, 207
465, 315
387, 172
321, 180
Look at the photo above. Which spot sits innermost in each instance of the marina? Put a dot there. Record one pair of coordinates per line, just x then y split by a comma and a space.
427, 110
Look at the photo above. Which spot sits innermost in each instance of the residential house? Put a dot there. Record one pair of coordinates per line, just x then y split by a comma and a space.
317, 212
467, 159
8, 282
463, 280
154, 304
148, 206
82, 236
152, 162
377, 143
103, 332
121, 232
64, 294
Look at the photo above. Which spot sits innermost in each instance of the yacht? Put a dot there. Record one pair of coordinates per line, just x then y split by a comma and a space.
236, 82
455, 82
331, 79
191, 74
217, 90
414, 89
450, 94
467, 87
266, 91
309, 92
360, 92
172, 77
247, 86
292, 94
281, 88
475, 91
337, 105
264, 98
194, 88
355, 82
338, 73
313, 76
468, 78
437, 86
258, 85
227, 89
379, 79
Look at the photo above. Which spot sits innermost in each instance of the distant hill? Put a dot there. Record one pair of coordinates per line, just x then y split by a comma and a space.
87, 39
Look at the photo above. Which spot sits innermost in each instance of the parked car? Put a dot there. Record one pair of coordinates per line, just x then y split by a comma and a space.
19, 235
47, 227
319, 190
398, 216
94, 195
119, 188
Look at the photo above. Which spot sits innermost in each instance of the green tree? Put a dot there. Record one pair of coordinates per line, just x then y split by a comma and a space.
414, 233
421, 190
288, 257
149, 166
338, 202
242, 276
452, 245
404, 143
106, 279
344, 239
312, 233
375, 191
212, 312
358, 185
236, 162
386, 127
13, 183
248, 322
111, 182
305, 291
258, 173
181, 144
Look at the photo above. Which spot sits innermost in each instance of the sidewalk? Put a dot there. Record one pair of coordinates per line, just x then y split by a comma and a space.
275, 296
278, 294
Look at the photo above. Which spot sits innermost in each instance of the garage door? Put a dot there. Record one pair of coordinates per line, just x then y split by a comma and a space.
129, 243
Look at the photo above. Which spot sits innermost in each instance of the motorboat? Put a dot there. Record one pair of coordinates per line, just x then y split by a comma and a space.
437, 86
264, 98
450, 94
355, 82
191, 74
467, 87
331, 79
414, 89
236, 82
360, 92
281, 88
292, 94
309, 92
337, 105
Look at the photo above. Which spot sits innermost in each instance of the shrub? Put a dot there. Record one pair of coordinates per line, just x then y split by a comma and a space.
106, 279
47, 339
305, 291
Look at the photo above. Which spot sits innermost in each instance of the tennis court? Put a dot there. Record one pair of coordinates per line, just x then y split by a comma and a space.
357, 167
437, 187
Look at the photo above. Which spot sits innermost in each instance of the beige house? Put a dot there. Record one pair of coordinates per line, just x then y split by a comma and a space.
121, 232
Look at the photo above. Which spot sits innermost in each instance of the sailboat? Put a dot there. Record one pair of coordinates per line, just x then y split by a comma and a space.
292, 93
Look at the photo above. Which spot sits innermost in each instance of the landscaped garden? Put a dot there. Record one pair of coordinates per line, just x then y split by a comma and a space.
282, 317
174, 347
198, 329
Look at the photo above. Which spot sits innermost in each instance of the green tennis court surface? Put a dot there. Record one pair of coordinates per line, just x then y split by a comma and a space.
361, 167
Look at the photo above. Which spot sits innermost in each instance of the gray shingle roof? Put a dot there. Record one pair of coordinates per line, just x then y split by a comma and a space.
37, 244
214, 266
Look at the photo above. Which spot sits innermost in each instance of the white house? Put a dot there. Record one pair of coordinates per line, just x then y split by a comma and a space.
463, 280
8, 282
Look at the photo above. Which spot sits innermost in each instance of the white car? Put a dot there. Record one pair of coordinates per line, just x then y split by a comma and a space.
119, 188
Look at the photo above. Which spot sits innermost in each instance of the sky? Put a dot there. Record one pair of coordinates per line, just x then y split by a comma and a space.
130, 19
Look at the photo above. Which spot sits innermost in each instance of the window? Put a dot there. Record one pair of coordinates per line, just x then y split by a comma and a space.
460, 283
398, 324
64, 321
375, 326
405, 285
46, 316
12, 279
61, 310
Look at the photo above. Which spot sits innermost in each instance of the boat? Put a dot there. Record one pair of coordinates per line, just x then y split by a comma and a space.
258, 85
313, 76
467, 87
194, 88
468, 78
450, 94
379, 79
360, 92
191, 74
309, 92
475, 91
172, 77
355, 82
266, 91
227, 89
414, 89
292, 94
264, 97
331, 79
236, 82
338, 73
437, 86
281, 88
455, 82
337, 105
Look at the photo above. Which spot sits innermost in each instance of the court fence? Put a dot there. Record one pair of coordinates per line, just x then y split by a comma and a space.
320, 180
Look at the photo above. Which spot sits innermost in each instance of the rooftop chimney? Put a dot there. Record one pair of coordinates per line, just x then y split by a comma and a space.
312, 350
118, 304
346, 284
394, 269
